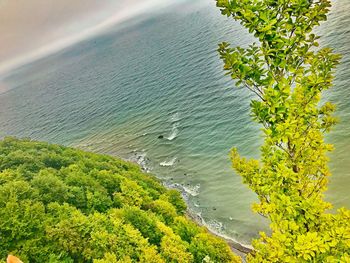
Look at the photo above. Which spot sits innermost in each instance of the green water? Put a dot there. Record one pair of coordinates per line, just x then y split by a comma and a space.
118, 92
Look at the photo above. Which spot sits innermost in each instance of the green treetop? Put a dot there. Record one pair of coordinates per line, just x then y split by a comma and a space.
59, 204
288, 72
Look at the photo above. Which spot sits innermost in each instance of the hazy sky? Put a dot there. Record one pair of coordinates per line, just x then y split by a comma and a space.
30, 29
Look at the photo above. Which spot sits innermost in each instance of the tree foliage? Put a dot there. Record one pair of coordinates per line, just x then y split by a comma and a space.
58, 204
288, 72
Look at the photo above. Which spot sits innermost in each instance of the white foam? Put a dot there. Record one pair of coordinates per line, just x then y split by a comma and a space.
186, 191
192, 189
174, 133
141, 159
218, 228
168, 163
215, 225
175, 117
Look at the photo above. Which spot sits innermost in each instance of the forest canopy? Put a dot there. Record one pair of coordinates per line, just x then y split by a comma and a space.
59, 204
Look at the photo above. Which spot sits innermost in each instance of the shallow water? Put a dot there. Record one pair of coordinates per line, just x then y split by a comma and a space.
120, 91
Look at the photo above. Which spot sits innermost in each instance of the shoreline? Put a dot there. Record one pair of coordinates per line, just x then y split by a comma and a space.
239, 249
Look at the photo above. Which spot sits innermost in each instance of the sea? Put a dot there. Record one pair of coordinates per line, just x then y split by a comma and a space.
152, 90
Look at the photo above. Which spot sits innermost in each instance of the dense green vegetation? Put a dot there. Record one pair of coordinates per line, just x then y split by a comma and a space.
59, 204
288, 72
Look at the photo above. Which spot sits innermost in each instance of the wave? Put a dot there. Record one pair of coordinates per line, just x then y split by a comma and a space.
216, 227
193, 190
186, 190
174, 133
142, 160
175, 117
168, 163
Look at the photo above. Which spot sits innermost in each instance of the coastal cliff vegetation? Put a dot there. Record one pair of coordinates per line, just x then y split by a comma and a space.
59, 204
288, 72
